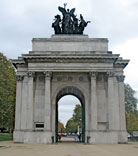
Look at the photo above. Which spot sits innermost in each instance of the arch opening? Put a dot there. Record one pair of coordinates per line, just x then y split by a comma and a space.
75, 92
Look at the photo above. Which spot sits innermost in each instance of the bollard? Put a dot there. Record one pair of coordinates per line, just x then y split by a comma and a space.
88, 139
52, 138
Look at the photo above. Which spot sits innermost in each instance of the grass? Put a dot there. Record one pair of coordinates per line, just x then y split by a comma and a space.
2, 146
5, 137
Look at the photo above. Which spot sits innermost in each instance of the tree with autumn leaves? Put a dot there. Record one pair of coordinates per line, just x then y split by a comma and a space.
61, 128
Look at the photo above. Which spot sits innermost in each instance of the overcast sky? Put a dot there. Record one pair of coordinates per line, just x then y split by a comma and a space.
117, 20
66, 106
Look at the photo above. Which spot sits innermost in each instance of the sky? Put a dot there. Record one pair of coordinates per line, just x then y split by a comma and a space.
117, 20
66, 106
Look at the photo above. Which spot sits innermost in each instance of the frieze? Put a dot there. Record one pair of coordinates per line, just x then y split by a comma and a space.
70, 78
59, 78
81, 78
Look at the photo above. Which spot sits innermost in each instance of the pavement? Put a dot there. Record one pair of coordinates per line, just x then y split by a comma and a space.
68, 149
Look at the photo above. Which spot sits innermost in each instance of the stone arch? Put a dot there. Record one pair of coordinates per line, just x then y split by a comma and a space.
70, 84
71, 90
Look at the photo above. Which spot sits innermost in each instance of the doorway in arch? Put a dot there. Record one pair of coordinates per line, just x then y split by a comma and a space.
75, 92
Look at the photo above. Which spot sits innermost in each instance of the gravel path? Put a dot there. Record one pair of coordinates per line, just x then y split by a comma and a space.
68, 149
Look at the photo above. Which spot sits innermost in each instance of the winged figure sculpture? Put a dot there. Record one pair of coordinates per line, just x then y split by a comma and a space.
69, 23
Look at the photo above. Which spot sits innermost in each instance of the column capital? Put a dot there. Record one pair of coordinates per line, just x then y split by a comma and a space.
31, 74
19, 77
120, 78
93, 74
48, 74
110, 74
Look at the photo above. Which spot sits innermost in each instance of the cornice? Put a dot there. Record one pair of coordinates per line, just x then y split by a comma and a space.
89, 57
71, 55
71, 58
18, 62
121, 63
69, 38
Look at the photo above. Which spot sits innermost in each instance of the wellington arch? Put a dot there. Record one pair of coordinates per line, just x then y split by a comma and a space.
70, 63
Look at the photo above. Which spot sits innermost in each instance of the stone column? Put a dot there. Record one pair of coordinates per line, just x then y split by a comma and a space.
111, 102
47, 114
121, 102
30, 109
93, 98
116, 106
24, 103
19, 79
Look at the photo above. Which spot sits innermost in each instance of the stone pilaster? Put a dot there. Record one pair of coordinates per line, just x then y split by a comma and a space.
93, 98
19, 80
116, 106
121, 102
111, 102
24, 103
30, 101
47, 114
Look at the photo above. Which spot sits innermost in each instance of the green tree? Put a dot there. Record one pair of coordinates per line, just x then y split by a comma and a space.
131, 109
71, 126
77, 114
132, 122
75, 121
7, 93
130, 100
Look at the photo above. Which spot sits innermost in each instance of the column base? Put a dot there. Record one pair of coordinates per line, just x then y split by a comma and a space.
122, 137
107, 137
32, 137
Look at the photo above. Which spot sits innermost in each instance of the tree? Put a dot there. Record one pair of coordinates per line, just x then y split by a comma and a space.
7, 93
131, 109
77, 114
71, 126
61, 128
75, 121
130, 100
132, 122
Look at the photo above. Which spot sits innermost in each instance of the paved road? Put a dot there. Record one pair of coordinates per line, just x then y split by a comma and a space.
68, 149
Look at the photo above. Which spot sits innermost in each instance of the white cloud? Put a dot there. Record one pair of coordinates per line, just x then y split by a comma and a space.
128, 2
129, 50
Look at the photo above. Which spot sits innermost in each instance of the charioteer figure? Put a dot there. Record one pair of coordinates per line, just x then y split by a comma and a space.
69, 24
